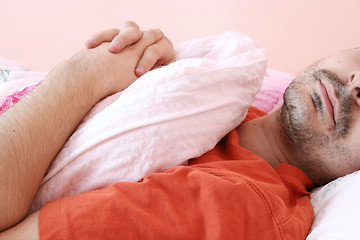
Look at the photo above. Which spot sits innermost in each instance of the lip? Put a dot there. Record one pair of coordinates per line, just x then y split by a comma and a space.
329, 97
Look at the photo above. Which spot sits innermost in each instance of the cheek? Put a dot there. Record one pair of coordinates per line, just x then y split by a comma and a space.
343, 157
352, 140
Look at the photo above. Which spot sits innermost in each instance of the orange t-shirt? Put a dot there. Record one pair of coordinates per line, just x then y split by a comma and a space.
228, 193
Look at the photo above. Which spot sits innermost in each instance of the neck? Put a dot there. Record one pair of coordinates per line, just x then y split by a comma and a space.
262, 137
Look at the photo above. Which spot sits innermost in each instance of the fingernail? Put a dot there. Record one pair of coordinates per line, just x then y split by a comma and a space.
139, 70
90, 42
113, 47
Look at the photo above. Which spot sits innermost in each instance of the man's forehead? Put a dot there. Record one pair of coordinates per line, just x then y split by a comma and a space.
350, 52
343, 57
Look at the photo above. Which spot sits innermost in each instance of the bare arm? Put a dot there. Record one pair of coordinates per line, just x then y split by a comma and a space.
27, 229
34, 129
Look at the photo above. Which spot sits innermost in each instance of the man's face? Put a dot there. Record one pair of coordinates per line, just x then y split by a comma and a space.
320, 118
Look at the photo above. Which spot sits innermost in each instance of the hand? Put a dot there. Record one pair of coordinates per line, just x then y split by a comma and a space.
111, 72
159, 54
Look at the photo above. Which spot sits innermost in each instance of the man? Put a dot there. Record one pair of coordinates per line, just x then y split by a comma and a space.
315, 131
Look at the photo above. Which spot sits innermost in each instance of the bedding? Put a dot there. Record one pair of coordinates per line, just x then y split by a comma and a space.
335, 204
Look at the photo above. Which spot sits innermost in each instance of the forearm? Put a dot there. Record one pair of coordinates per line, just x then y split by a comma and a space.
34, 130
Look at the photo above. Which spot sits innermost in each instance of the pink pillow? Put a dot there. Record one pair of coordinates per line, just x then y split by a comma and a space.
15, 82
270, 96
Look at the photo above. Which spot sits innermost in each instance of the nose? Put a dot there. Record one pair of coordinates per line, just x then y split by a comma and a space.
354, 83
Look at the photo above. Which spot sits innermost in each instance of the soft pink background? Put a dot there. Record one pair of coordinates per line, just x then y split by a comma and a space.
40, 33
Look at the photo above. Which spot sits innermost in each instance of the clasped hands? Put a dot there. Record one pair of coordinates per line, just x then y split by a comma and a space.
116, 58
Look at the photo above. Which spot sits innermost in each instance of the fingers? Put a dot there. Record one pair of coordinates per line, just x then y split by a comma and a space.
100, 37
150, 37
156, 55
129, 34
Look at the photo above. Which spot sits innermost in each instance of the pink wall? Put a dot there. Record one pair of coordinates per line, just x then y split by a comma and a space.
40, 33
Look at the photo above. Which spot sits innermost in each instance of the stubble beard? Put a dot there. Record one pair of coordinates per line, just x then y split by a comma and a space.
300, 136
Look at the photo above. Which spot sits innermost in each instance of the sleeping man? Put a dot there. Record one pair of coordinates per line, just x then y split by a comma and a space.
253, 185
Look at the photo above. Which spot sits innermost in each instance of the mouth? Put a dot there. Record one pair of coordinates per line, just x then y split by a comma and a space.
329, 98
